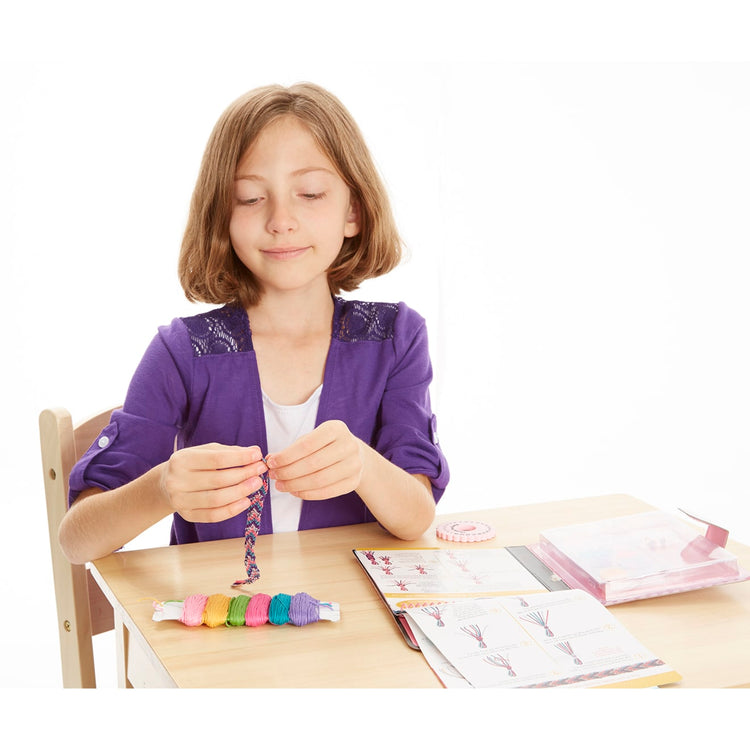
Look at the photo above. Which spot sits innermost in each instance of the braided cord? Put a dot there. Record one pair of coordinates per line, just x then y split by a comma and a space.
252, 527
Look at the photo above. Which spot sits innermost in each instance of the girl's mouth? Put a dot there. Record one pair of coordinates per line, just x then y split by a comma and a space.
284, 253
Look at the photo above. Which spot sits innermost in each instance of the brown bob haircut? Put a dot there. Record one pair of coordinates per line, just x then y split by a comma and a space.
209, 269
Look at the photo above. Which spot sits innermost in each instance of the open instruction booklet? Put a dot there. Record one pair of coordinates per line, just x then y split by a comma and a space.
555, 639
482, 620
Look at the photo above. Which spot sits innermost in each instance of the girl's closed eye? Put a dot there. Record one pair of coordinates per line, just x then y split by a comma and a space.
313, 196
248, 199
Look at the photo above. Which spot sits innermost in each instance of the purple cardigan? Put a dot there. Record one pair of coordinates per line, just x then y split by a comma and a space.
198, 383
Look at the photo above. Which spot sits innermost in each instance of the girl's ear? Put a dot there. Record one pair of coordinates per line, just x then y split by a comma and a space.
353, 219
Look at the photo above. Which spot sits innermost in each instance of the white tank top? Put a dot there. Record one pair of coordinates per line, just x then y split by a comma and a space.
284, 424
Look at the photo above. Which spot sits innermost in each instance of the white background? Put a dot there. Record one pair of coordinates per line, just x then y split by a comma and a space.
572, 185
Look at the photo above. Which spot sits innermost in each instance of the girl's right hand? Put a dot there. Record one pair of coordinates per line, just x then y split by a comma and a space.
210, 483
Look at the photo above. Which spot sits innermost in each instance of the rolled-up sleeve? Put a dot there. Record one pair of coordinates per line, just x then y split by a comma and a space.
142, 434
407, 432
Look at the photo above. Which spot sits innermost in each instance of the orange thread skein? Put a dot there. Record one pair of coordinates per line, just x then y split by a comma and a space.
216, 610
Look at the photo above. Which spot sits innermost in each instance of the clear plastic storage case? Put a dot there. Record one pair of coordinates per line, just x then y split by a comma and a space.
638, 557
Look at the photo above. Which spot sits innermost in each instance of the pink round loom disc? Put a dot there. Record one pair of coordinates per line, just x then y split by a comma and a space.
465, 531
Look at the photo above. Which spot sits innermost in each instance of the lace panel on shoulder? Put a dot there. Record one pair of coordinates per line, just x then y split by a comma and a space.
366, 321
220, 331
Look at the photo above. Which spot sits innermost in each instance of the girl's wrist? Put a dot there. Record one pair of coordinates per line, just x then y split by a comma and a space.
161, 491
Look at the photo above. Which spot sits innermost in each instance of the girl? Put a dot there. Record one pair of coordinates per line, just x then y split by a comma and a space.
288, 211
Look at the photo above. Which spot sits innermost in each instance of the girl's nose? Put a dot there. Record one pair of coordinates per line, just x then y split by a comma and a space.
281, 217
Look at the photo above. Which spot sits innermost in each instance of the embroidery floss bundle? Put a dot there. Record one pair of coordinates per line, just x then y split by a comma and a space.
251, 611
252, 526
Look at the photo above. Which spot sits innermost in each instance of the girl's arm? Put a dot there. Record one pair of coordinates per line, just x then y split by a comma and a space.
207, 483
414, 507
330, 461
100, 522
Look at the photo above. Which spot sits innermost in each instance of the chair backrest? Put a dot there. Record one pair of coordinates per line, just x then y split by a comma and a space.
82, 609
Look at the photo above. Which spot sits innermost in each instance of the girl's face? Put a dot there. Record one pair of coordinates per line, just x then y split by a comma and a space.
292, 211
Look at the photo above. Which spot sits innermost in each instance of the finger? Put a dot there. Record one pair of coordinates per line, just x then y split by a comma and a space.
215, 479
344, 472
210, 500
329, 455
216, 456
320, 437
180, 480
215, 515
341, 487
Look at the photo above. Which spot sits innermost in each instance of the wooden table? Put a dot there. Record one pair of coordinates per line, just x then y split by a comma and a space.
704, 635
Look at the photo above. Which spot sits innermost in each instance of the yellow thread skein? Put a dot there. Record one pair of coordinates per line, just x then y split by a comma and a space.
216, 610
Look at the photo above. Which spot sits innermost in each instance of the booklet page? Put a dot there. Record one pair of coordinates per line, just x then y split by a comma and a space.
555, 639
400, 574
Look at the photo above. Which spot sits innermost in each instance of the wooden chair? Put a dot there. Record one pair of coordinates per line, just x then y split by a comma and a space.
82, 609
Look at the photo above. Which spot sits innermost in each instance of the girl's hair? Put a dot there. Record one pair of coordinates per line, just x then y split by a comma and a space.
208, 267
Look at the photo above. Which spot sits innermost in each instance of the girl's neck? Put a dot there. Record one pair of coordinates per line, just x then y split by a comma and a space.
297, 313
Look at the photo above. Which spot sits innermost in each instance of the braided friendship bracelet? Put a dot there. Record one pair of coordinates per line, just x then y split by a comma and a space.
252, 611
252, 526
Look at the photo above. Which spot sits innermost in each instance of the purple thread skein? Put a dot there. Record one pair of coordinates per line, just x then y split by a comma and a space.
303, 609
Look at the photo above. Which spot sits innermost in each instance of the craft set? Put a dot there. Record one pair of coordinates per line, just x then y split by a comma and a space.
248, 610
503, 617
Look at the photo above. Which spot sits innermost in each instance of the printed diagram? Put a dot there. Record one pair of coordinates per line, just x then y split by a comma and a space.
403, 574
435, 612
446, 571
500, 661
565, 647
462, 565
476, 633
539, 619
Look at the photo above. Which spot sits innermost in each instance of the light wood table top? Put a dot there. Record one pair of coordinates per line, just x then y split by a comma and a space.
704, 635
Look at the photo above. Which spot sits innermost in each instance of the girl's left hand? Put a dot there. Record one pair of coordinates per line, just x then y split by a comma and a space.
325, 463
